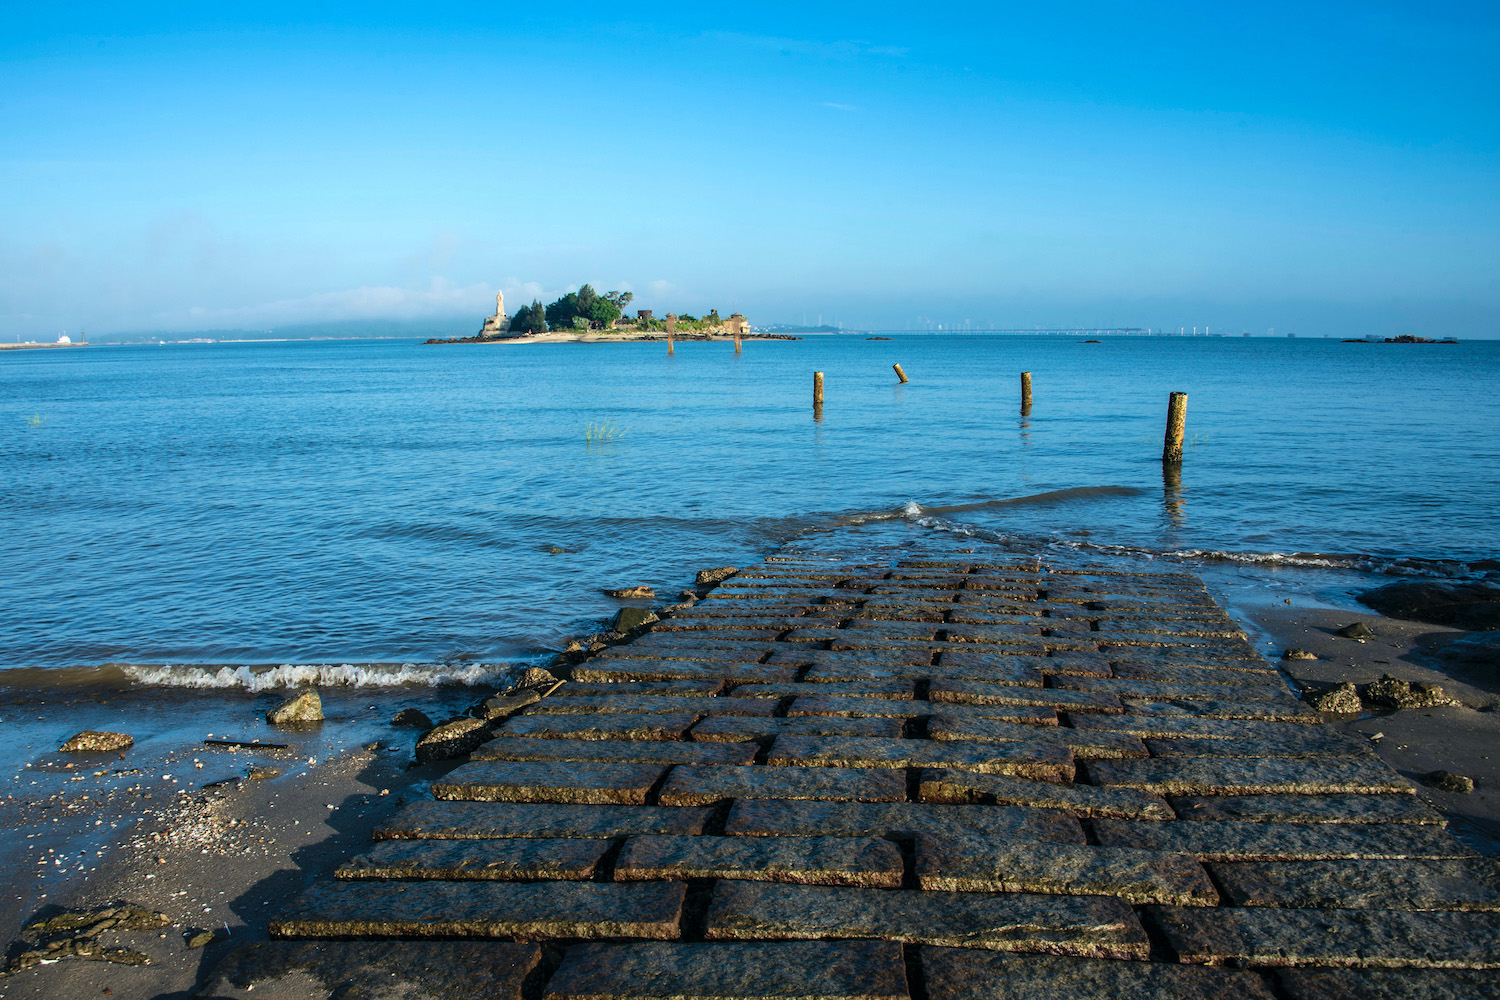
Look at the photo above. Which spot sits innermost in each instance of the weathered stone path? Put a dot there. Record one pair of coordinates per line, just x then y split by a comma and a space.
938, 775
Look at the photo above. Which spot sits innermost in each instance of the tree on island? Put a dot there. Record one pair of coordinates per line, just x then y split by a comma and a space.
598, 311
530, 319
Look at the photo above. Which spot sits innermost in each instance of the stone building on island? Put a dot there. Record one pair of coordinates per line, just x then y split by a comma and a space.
498, 325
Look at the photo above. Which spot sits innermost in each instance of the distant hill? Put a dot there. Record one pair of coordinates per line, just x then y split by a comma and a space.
456, 326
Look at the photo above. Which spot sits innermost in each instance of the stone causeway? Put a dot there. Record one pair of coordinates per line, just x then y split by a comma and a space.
920, 771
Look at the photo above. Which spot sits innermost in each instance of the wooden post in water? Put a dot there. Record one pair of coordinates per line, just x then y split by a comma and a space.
736, 341
817, 389
671, 329
901, 374
1171, 449
1026, 394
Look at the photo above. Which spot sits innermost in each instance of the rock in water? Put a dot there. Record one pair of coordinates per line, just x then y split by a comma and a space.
452, 739
500, 706
94, 741
1297, 654
1392, 692
412, 718
632, 618
708, 577
1450, 782
1342, 700
1471, 606
1356, 630
305, 707
628, 593
536, 677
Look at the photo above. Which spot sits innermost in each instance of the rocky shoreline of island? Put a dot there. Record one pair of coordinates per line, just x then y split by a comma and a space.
606, 337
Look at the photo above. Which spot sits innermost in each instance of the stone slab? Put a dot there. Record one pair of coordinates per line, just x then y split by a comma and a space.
975, 864
624, 669
1261, 776
789, 970
1268, 936
1307, 809
1037, 761
707, 784
1291, 741
1083, 744
618, 751
851, 665
1034, 715
1285, 710
1081, 664
1079, 800
579, 782
1362, 885
1079, 925
496, 820
854, 707
1195, 675
897, 820
600, 727
456, 970
896, 690
553, 859
1284, 841
740, 729
525, 910
1389, 984
1183, 726
977, 693
672, 640
964, 974
860, 861
646, 704
1136, 687
677, 688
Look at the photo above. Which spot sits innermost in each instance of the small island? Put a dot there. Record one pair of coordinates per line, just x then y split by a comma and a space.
585, 316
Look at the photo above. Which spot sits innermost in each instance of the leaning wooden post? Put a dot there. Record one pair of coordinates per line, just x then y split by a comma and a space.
1026, 394
901, 374
817, 388
671, 329
736, 341
1171, 450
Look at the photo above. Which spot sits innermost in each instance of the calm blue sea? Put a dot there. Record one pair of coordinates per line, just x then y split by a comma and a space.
356, 501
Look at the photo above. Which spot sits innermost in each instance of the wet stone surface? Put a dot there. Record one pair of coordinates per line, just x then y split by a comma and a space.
1039, 761
1075, 925
1394, 808
791, 970
897, 820
460, 970
728, 729
1083, 743
617, 751
705, 784
497, 820
1364, 885
973, 864
1079, 800
1389, 984
549, 781
807, 860
527, 910
954, 974
600, 727
1284, 841
511, 859
1232, 776
645, 704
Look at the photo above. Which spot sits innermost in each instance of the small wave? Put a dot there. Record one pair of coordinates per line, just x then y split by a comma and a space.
256, 679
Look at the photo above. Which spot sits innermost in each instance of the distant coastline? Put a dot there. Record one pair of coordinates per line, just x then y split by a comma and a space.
605, 337
32, 347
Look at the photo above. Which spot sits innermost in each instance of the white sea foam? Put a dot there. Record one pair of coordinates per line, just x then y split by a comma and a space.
288, 675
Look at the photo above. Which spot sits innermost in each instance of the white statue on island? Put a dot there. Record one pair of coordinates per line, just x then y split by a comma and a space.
498, 324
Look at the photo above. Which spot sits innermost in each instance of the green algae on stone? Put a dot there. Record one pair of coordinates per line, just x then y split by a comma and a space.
744, 669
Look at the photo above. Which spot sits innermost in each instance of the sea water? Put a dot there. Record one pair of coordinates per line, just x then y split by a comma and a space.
191, 510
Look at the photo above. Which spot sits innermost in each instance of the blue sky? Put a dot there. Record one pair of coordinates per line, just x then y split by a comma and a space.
1332, 168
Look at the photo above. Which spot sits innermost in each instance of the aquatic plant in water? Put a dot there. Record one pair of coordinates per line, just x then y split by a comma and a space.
36, 420
600, 433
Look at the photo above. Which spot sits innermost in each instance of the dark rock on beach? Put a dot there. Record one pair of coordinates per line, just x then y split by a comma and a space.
1450, 782
1297, 654
452, 739
628, 619
1342, 700
412, 718
631, 593
1470, 606
1355, 630
1392, 692
94, 741
709, 577
305, 707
